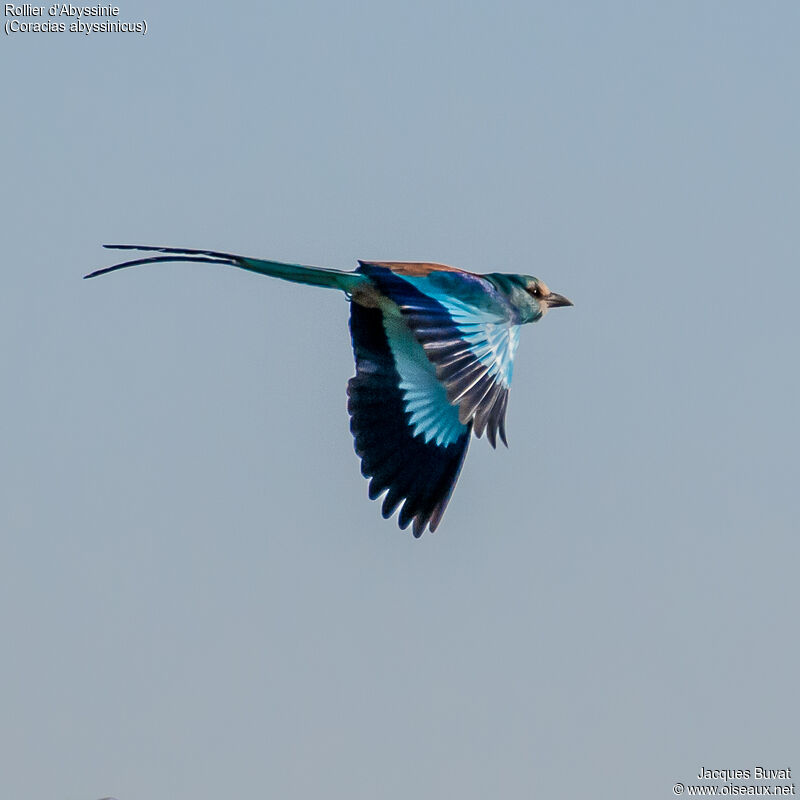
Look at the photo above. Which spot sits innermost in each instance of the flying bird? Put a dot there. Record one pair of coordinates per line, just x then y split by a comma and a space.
434, 350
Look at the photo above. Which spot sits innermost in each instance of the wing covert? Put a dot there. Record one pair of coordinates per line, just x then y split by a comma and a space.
466, 331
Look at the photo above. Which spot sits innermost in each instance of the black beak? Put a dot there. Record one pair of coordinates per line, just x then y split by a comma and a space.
554, 300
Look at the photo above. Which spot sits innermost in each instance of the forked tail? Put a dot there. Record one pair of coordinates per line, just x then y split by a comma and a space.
314, 276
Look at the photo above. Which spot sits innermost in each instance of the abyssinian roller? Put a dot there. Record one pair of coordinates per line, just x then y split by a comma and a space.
434, 349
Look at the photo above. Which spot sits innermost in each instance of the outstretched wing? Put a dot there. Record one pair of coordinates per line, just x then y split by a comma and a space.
407, 434
467, 331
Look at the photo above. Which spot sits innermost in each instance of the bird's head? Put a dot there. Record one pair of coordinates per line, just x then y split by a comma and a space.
539, 298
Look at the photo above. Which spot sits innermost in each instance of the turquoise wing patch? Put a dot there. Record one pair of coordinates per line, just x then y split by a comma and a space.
468, 333
431, 415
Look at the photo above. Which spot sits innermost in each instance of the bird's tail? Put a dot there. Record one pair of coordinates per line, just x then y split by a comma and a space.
314, 276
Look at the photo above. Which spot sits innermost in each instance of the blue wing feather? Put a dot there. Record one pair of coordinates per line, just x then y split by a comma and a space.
407, 434
468, 331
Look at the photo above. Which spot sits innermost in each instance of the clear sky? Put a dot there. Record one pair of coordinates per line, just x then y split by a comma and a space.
197, 598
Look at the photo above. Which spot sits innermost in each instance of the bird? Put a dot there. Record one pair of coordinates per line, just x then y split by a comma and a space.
434, 353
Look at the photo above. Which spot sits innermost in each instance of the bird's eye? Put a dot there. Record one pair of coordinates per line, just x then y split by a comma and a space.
535, 291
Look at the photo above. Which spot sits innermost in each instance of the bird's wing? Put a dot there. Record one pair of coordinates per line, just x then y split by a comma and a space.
466, 330
407, 434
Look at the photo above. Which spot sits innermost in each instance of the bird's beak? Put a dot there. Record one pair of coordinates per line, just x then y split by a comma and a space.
554, 300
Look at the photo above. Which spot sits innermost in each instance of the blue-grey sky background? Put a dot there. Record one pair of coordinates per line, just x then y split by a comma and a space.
197, 598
